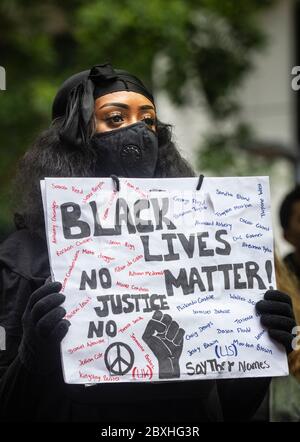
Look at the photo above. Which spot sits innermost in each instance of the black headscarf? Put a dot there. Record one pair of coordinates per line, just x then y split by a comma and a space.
75, 99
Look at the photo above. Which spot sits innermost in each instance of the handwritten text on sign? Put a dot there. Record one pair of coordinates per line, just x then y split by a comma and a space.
161, 280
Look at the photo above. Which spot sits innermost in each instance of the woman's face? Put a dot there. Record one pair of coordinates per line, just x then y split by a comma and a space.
119, 109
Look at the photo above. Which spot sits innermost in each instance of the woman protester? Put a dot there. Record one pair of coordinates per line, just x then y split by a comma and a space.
104, 123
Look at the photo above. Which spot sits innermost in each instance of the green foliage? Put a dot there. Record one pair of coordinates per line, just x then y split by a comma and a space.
222, 154
208, 42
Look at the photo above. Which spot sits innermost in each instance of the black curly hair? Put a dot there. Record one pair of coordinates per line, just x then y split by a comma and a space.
49, 157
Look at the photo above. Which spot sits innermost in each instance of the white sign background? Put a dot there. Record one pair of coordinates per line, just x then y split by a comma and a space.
132, 323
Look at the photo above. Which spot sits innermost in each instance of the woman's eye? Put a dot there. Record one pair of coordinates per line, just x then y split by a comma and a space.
149, 121
115, 119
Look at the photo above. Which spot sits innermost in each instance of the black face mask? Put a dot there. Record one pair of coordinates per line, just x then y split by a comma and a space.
127, 152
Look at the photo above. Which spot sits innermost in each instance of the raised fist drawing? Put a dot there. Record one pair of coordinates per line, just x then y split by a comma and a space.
164, 337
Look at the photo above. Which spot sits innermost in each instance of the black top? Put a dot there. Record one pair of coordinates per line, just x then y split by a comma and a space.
24, 266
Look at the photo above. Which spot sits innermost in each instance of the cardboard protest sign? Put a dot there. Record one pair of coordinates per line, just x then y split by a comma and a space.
161, 280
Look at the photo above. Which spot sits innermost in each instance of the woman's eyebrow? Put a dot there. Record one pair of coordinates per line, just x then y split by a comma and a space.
122, 105
125, 106
147, 107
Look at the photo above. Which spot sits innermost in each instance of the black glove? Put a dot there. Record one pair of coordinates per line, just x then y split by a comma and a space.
277, 316
43, 329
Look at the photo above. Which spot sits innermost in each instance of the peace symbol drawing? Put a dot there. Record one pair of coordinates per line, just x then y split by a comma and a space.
118, 358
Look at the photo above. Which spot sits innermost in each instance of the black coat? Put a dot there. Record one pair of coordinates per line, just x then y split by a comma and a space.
24, 266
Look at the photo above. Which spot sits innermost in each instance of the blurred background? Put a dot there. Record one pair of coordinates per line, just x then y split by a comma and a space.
221, 72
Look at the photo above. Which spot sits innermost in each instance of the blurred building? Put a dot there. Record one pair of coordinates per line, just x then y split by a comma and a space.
268, 103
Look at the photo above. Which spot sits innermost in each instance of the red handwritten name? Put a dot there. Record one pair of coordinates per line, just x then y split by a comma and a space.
78, 308
147, 273
75, 349
76, 190
64, 250
54, 227
89, 360
137, 342
136, 189
93, 343
132, 287
129, 246
91, 377
110, 202
106, 258
87, 252
123, 329
111, 378
72, 246
135, 321
84, 241
128, 325
139, 289
114, 243
149, 360
70, 270
92, 192
82, 346
59, 186
122, 284
118, 243
129, 263
54, 219
85, 361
